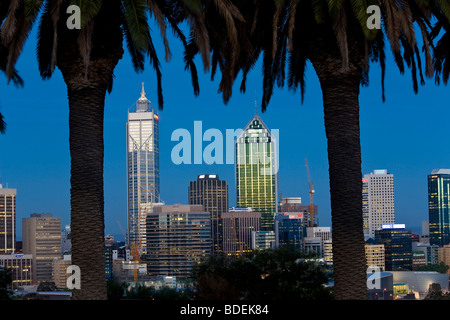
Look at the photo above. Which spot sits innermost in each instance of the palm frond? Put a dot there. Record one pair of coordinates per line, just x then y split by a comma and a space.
88, 9
156, 11
15, 30
2, 124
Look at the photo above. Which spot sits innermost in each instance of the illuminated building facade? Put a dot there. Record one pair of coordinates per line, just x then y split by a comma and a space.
21, 269
143, 183
289, 229
211, 192
397, 246
7, 220
41, 234
238, 226
378, 201
439, 207
256, 171
178, 237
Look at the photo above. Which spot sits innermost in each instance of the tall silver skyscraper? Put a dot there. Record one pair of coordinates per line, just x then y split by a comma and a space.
378, 201
142, 167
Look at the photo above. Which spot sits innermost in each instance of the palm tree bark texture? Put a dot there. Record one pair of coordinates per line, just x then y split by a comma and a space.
87, 86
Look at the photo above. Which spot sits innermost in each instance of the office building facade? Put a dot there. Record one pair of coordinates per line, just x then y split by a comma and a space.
41, 234
294, 205
143, 184
211, 192
256, 171
439, 206
7, 220
378, 201
238, 226
21, 269
289, 230
397, 245
178, 237
375, 256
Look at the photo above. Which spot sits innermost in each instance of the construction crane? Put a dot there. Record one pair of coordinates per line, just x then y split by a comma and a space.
311, 193
135, 251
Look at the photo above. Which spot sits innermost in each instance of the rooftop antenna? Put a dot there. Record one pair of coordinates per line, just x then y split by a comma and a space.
143, 91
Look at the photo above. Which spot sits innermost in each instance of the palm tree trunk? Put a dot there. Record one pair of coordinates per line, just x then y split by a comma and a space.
341, 112
86, 115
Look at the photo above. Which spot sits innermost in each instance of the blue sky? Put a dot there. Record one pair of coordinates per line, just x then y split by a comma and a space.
407, 135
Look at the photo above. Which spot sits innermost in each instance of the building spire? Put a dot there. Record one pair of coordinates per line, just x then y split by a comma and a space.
143, 91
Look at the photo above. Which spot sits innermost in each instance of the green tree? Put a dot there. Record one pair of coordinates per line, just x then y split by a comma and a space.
440, 267
334, 37
115, 290
47, 286
5, 281
140, 292
87, 58
272, 274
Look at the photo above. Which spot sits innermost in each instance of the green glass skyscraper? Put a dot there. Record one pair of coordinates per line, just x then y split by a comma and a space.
439, 206
256, 171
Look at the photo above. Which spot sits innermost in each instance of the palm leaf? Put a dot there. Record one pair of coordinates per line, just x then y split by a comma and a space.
135, 15
88, 9
2, 124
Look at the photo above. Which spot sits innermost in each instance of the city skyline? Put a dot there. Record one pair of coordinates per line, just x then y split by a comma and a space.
396, 135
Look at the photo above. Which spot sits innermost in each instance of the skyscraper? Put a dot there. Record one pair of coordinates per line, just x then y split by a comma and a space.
238, 226
378, 201
289, 229
211, 192
439, 206
41, 234
7, 220
179, 237
256, 171
142, 166
397, 246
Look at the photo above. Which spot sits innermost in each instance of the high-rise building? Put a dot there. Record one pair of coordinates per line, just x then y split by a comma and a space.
439, 206
59, 272
7, 220
41, 234
256, 171
238, 225
178, 237
375, 255
289, 230
378, 201
294, 205
397, 246
143, 183
211, 192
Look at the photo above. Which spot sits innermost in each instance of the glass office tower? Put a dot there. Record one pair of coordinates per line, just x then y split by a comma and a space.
142, 167
256, 171
439, 206
397, 243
